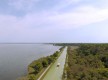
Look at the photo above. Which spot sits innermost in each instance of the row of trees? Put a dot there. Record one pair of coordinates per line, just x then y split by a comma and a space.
36, 66
67, 44
88, 62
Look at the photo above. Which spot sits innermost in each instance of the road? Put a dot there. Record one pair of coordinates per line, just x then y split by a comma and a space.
55, 73
43, 73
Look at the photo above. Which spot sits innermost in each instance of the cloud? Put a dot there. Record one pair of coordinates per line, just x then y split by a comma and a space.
81, 16
101, 3
48, 23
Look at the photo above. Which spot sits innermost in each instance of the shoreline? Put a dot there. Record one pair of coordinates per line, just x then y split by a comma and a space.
31, 73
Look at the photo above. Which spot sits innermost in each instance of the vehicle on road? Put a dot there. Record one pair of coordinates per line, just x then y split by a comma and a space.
58, 64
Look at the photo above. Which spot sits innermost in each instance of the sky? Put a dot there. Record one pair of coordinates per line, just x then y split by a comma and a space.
54, 21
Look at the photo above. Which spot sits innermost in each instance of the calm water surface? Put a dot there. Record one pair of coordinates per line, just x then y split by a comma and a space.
14, 58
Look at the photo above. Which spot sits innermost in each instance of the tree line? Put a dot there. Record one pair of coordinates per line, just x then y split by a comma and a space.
88, 62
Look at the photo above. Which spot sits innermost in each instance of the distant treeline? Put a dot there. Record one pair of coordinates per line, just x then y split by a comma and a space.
75, 44
36, 66
88, 62
66, 44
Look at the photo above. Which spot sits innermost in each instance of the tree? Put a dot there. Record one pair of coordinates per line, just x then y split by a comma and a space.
38, 66
50, 59
45, 62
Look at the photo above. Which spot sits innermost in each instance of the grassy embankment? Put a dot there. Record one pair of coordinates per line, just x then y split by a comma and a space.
88, 62
37, 67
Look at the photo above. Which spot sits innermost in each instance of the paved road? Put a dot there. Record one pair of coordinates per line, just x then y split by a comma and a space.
43, 73
55, 73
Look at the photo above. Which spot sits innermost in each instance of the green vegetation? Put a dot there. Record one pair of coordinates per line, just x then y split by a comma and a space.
66, 44
88, 62
37, 67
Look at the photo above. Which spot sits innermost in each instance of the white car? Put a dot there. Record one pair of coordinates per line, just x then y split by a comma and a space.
58, 64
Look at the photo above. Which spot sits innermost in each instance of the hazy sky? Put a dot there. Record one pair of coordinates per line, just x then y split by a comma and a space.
53, 21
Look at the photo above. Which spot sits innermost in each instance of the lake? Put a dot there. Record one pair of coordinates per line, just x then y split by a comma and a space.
14, 58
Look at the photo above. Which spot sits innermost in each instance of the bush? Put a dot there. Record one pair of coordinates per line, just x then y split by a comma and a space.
38, 66
45, 62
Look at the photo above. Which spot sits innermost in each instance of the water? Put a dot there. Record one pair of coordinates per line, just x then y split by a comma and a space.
14, 58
